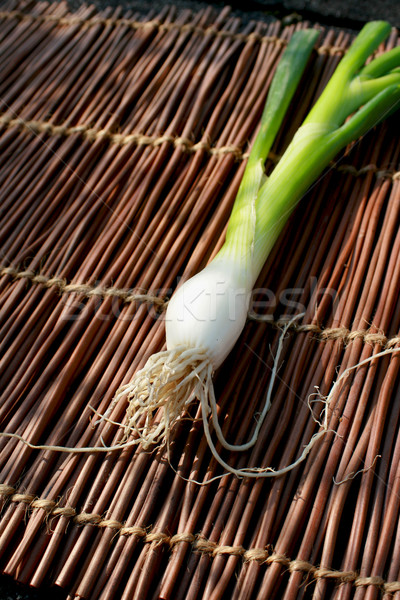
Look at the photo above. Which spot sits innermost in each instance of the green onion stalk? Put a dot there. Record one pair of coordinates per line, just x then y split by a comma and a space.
207, 313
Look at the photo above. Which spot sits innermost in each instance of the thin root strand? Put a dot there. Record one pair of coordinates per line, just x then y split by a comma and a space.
169, 381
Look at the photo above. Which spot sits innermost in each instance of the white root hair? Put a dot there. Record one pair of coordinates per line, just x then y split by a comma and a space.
170, 381
208, 404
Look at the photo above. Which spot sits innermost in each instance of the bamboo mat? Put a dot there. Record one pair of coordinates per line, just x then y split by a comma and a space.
123, 139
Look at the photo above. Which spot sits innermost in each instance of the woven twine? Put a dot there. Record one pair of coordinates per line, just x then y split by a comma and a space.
198, 542
138, 139
157, 25
128, 296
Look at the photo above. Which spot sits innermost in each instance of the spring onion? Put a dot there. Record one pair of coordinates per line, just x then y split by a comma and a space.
207, 313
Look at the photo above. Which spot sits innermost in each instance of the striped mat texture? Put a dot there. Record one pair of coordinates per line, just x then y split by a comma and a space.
123, 139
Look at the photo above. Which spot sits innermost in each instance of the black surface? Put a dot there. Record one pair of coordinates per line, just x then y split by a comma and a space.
339, 13
11, 590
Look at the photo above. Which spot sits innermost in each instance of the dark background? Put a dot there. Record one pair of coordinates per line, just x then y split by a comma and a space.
349, 14
341, 13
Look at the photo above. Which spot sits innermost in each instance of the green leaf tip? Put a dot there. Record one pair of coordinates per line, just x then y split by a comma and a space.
366, 94
354, 83
283, 87
356, 98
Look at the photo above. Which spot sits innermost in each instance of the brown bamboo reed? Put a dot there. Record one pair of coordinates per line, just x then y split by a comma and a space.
388, 238
346, 450
224, 523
